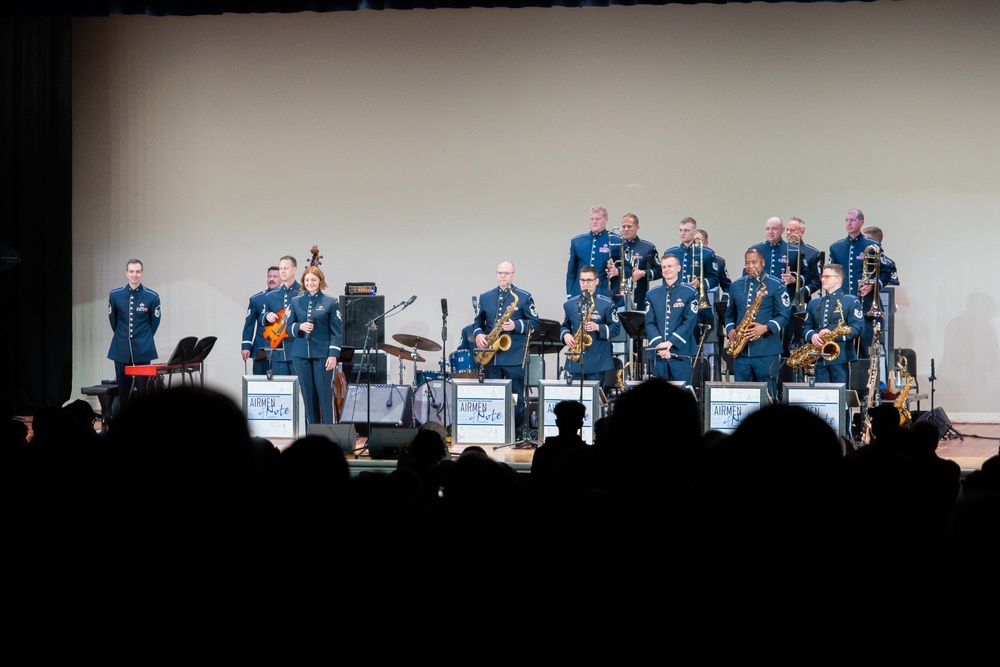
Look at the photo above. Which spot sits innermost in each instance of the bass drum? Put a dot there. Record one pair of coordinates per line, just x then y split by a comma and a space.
463, 364
432, 403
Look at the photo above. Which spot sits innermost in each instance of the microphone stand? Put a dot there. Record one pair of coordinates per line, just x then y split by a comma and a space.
524, 442
371, 326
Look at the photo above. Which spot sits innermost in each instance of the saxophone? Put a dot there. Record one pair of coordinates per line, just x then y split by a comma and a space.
900, 404
734, 347
497, 340
874, 352
808, 354
581, 338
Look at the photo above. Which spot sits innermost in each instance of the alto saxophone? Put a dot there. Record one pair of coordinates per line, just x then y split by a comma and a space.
581, 339
497, 340
808, 354
734, 347
900, 404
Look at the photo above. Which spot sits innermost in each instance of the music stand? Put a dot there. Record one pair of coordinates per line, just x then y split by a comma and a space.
634, 323
198, 354
183, 350
546, 340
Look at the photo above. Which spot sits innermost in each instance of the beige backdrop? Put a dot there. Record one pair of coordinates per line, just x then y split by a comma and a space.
419, 148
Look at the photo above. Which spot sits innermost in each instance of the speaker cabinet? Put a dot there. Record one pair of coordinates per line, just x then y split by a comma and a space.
356, 310
385, 442
391, 405
344, 436
937, 417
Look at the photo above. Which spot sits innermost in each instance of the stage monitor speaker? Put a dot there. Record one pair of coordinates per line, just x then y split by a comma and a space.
937, 417
391, 405
377, 364
356, 310
344, 435
385, 442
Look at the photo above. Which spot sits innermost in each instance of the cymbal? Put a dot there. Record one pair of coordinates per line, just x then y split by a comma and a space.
417, 342
399, 352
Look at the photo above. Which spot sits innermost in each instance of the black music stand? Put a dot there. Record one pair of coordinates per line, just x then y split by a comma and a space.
546, 340
634, 323
198, 355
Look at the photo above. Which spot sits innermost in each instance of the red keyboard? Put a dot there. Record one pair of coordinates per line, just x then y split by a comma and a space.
156, 370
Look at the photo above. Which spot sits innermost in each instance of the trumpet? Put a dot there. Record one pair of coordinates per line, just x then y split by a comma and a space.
702, 299
869, 273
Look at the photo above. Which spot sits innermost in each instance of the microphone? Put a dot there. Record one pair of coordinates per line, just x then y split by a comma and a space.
310, 320
444, 307
475, 304
388, 403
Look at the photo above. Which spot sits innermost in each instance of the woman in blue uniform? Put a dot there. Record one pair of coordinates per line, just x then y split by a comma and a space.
314, 324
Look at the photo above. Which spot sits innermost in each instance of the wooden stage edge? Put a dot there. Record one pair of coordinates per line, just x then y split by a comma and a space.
978, 443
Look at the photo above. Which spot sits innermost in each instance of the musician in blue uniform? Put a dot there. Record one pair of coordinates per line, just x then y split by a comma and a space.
134, 314
759, 359
671, 316
253, 331
888, 266
849, 252
639, 259
591, 249
812, 258
822, 318
697, 260
720, 263
493, 307
602, 326
315, 327
277, 301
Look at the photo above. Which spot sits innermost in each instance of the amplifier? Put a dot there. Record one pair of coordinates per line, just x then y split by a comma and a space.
360, 288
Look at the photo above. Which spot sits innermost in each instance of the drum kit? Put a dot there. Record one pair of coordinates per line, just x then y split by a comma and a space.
432, 393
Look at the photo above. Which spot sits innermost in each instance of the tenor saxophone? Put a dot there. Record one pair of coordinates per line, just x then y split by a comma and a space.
581, 339
734, 347
900, 404
808, 354
497, 340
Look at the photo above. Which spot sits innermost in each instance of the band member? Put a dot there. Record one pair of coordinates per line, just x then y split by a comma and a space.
781, 259
643, 265
315, 327
696, 260
601, 327
811, 257
493, 307
720, 262
849, 252
759, 358
591, 249
253, 331
134, 314
276, 301
671, 316
822, 318
888, 266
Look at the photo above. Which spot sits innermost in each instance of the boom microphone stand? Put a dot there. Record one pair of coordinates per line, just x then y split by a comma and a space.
372, 326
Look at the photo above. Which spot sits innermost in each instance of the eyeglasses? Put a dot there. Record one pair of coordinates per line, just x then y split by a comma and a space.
505, 273
588, 280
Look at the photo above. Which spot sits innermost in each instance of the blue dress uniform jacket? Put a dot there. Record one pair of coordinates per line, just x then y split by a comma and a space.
326, 337
671, 316
812, 267
253, 332
274, 302
888, 270
589, 249
774, 312
598, 354
820, 314
850, 254
492, 306
691, 264
722, 273
644, 257
134, 316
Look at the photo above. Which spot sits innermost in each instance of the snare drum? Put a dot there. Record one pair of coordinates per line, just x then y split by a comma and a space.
463, 364
432, 403
427, 376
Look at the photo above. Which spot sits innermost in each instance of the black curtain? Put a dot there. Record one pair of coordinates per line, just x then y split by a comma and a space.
35, 208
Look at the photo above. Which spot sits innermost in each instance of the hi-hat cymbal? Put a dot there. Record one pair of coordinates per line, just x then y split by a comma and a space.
400, 352
417, 342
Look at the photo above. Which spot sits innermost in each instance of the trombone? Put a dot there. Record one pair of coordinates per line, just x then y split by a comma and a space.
624, 265
869, 274
702, 299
